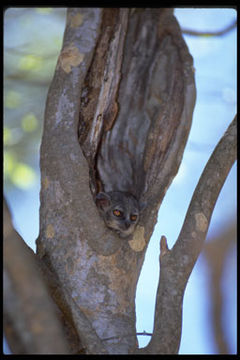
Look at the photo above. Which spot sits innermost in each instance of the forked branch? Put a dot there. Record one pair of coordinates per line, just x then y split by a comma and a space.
176, 264
30, 322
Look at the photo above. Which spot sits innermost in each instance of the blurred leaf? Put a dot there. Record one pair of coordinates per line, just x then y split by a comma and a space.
12, 99
8, 163
7, 136
23, 176
29, 122
15, 137
30, 62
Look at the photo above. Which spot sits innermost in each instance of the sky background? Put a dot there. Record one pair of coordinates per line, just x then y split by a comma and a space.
215, 74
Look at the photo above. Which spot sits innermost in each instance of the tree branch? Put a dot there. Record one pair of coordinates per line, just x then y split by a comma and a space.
210, 33
176, 264
200, 210
31, 325
65, 172
60, 150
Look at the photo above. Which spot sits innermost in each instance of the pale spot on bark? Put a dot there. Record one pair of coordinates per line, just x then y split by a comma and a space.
194, 235
201, 222
50, 232
76, 20
45, 182
70, 57
138, 242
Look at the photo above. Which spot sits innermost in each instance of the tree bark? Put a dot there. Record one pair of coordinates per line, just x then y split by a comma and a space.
30, 318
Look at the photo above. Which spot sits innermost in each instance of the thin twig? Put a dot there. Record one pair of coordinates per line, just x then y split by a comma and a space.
144, 333
127, 335
210, 33
117, 337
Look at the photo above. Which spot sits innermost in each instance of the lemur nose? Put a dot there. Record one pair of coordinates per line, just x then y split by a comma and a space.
127, 224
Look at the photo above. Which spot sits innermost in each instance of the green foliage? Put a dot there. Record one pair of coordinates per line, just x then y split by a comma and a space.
31, 62
20, 174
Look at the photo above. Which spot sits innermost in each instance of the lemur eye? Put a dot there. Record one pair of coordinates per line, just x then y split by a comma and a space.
133, 217
117, 213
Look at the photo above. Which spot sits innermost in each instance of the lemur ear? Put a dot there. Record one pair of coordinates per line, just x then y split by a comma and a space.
103, 200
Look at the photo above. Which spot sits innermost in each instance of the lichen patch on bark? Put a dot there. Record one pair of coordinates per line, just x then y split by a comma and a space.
201, 222
45, 182
50, 232
138, 242
70, 57
76, 20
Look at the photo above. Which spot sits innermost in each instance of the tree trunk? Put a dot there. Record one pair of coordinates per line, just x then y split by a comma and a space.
124, 89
